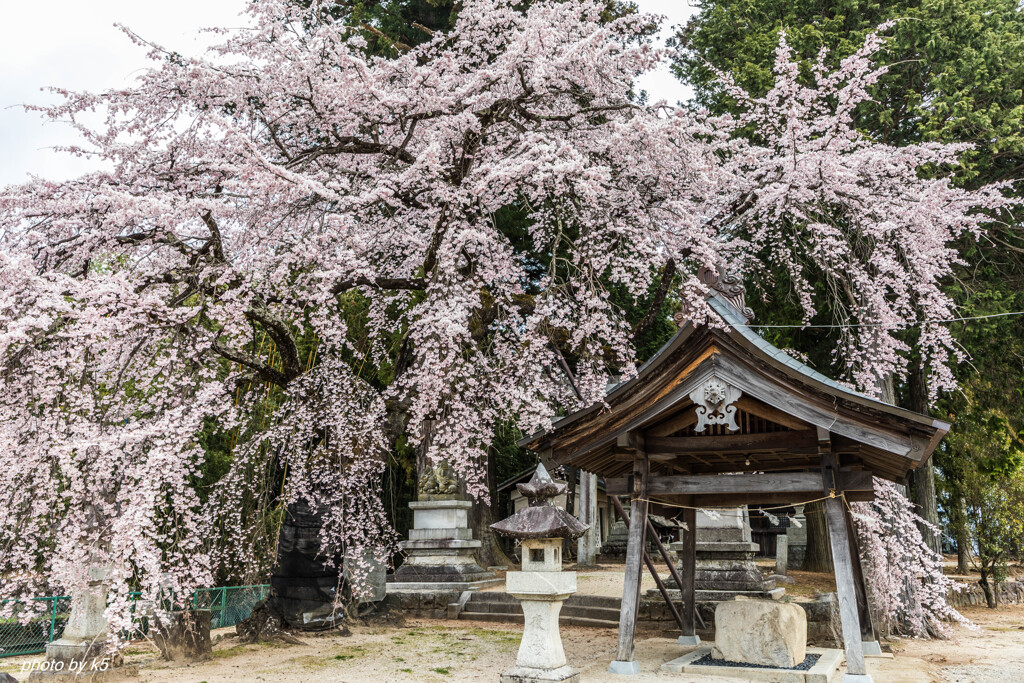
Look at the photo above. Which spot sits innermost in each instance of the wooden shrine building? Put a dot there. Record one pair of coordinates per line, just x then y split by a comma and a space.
721, 417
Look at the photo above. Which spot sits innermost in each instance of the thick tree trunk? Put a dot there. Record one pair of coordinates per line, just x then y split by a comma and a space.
963, 540
819, 553
481, 518
490, 553
923, 488
991, 595
922, 480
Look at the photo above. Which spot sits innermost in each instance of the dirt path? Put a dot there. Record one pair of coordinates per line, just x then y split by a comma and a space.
429, 651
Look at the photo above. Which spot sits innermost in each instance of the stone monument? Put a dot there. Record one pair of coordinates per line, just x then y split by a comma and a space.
782, 555
725, 559
541, 586
82, 648
797, 538
441, 551
613, 549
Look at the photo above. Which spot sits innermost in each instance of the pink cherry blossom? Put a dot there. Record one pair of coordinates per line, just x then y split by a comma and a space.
252, 189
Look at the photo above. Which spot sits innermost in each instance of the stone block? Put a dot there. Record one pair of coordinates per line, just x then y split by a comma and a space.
440, 534
781, 554
763, 632
443, 518
555, 585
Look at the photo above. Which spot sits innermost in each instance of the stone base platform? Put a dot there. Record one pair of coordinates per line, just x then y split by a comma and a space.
523, 674
447, 586
720, 596
823, 671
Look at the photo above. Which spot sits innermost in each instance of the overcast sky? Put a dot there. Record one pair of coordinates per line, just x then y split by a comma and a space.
77, 46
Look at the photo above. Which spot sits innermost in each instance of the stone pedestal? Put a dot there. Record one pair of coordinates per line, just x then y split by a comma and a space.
441, 551
541, 656
725, 567
725, 559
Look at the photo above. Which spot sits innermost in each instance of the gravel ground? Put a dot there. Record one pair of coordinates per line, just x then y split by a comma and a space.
434, 651
984, 673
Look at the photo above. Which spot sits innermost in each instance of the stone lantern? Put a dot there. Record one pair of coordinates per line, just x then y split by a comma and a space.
541, 586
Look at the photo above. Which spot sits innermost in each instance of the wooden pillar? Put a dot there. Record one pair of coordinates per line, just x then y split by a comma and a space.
687, 588
835, 518
586, 553
868, 631
624, 662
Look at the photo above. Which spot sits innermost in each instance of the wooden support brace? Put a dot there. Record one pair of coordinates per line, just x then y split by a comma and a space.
671, 567
868, 631
688, 579
835, 515
650, 563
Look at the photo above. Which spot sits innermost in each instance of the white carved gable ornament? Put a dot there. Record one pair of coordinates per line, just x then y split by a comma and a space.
713, 401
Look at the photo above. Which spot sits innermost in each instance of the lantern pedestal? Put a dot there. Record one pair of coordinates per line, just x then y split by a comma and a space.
541, 657
541, 586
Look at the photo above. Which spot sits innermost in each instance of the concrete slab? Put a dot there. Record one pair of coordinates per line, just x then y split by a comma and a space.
823, 671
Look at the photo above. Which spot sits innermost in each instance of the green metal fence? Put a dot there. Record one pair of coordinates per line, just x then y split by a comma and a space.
18, 638
228, 604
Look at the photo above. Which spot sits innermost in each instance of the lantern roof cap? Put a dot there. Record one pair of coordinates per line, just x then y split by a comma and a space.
541, 519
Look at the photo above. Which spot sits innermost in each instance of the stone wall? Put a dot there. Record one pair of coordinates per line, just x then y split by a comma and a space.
1010, 593
425, 604
652, 613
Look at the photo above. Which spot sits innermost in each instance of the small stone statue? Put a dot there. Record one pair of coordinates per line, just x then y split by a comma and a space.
438, 480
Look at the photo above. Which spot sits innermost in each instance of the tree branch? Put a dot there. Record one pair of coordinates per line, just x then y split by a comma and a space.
280, 333
264, 371
657, 301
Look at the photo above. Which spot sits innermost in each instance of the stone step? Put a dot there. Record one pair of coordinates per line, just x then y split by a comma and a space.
573, 601
594, 601
491, 596
568, 611
506, 618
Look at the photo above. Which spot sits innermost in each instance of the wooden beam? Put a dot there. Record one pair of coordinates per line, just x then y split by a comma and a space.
624, 662
629, 456
835, 514
767, 412
681, 445
727, 500
674, 424
806, 484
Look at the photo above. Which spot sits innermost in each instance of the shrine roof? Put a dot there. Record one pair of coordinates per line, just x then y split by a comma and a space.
891, 440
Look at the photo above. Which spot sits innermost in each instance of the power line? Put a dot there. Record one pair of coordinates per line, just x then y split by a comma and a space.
890, 325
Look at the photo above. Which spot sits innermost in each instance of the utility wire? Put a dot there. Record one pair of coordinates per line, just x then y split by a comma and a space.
890, 325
